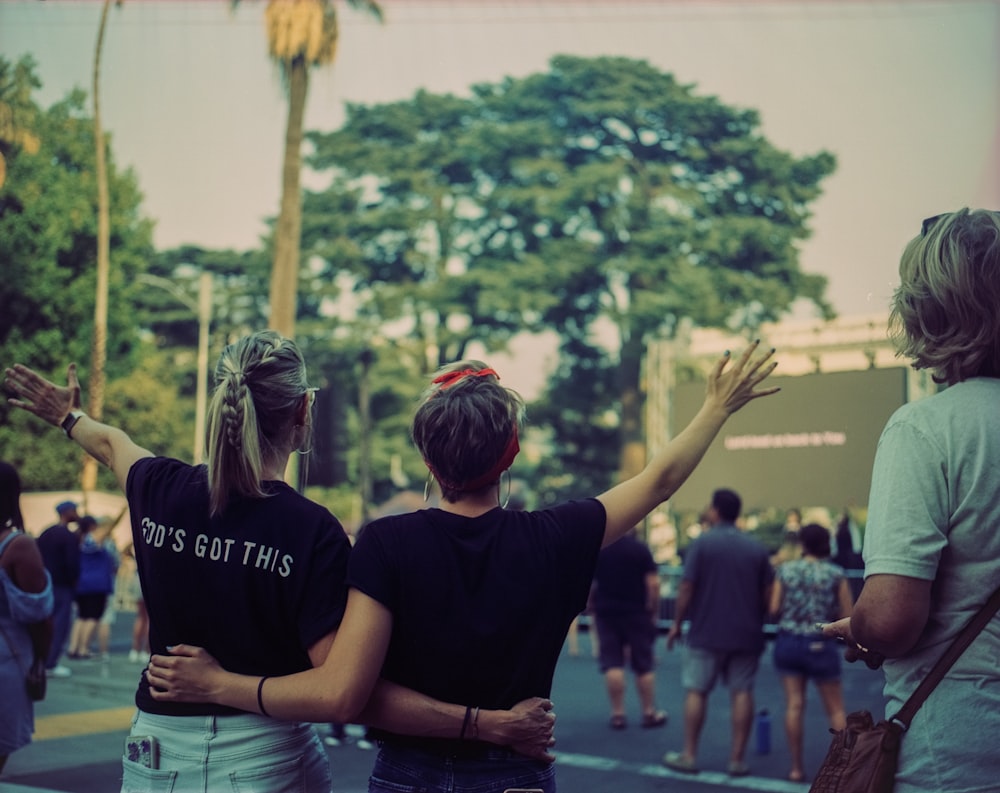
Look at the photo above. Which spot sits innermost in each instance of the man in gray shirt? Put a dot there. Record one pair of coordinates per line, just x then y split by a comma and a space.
724, 593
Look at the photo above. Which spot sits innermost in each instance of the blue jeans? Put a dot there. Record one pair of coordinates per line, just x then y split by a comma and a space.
401, 769
62, 621
214, 754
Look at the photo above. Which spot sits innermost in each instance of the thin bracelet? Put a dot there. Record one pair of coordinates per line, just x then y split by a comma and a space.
260, 696
474, 732
465, 723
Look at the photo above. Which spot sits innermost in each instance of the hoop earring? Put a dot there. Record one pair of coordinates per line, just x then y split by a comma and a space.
308, 434
506, 501
427, 487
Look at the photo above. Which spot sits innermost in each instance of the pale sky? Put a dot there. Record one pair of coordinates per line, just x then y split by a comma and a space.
905, 94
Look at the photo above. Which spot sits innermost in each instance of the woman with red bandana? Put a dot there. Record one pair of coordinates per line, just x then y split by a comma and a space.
468, 602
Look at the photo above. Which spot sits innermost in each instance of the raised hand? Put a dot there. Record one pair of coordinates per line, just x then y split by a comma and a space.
37, 395
731, 387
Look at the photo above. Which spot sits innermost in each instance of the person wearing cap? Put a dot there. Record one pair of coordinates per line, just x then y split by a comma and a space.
468, 602
60, 547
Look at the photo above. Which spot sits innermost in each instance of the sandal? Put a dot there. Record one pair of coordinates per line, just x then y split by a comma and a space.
737, 768
678, 762
656, 719
617, 723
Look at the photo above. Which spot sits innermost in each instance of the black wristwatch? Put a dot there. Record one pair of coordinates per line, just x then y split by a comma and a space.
70, 421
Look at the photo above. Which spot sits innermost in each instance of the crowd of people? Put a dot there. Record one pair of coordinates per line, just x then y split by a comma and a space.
441, 628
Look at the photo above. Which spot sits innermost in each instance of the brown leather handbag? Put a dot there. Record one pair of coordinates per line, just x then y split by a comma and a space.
862, 757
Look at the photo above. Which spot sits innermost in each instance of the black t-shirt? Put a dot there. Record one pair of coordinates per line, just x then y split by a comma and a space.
620, 578
256, 585
480, 605
60, 549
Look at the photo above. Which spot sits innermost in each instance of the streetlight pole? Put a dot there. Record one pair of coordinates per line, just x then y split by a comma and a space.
202, 309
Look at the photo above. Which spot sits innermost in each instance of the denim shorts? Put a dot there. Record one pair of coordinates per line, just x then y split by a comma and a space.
700, 669
814, 656
401, 769
214, 754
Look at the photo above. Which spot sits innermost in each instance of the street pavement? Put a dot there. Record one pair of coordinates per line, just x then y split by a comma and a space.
83, 721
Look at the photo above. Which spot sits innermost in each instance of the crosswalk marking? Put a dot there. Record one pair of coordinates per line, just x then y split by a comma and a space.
68, 725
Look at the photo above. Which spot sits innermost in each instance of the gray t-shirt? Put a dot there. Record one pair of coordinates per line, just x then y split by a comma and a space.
934, 514
730, 573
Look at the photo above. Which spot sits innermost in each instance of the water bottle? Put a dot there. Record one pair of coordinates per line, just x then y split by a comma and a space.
763, 730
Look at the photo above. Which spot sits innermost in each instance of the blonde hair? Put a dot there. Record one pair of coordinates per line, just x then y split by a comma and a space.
946, 311
463, 427
259, 383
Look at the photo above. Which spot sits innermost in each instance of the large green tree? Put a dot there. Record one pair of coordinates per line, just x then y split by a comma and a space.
601, 194
48, 228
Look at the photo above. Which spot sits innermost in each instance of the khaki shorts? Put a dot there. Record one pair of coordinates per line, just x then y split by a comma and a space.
700, 669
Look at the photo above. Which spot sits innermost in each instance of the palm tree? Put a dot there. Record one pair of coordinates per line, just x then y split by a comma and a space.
99, 349
300, 34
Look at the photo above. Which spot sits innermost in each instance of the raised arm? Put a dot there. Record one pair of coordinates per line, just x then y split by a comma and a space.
729, 389
54, 404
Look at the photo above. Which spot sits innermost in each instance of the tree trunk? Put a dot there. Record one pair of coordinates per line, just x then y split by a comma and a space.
99, 350
633, 445
287, 238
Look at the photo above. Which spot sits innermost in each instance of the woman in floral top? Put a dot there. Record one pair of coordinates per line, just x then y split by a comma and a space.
807, 591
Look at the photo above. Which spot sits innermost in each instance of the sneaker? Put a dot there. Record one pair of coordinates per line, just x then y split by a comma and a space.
60, 671
133, 656
364, 743
330, 740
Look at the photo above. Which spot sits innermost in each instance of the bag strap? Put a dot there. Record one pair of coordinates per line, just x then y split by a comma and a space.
948, 658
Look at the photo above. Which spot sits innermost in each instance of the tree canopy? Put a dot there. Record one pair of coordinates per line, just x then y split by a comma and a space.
601, 197
48, 227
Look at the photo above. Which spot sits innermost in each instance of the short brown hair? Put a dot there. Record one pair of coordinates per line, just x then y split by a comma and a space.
946, 311
815, 540
463, 427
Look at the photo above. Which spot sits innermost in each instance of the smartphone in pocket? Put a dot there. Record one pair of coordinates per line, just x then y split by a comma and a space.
143, 750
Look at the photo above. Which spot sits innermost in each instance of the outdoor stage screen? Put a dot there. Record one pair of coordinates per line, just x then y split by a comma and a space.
811, 445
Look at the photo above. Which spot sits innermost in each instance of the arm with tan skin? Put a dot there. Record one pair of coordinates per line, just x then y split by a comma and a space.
653, 594
728, 390
681, 605
774, 606
887, 620
24, 565
845, 600
346, 688
52, 403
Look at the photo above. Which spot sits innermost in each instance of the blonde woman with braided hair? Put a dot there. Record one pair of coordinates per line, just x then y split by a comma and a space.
468, 602
233, 559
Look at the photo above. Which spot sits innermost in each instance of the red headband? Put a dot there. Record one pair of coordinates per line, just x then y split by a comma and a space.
449, 379
501, 465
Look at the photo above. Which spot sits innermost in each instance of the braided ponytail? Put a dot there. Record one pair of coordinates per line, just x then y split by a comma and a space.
260, 381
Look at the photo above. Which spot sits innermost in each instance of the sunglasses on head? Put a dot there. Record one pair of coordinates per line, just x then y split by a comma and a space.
928, 223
